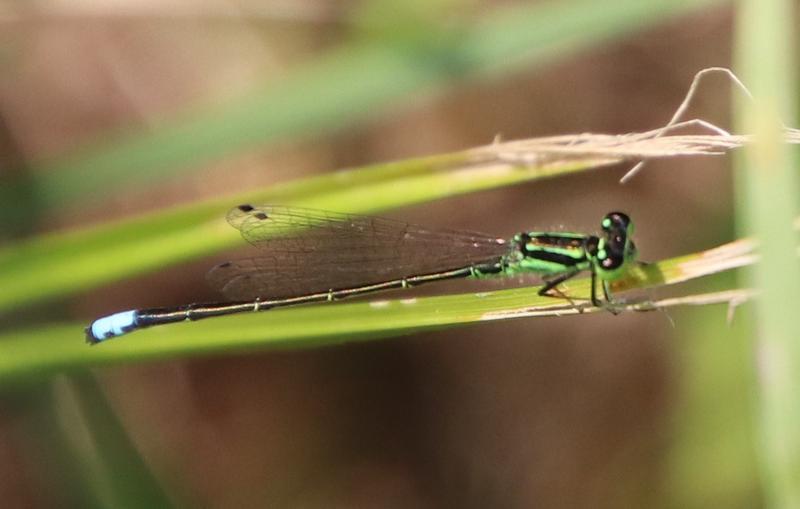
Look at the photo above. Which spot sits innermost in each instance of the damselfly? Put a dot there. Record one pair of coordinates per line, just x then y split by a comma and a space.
308, 255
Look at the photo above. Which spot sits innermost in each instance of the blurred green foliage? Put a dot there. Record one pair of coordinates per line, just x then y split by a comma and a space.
354, 83
397, 50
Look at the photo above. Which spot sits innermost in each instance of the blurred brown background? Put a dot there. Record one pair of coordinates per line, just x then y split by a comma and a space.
570, 412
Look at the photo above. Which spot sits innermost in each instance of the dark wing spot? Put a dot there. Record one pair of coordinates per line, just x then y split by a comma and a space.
224, 265
260, 215
246, 207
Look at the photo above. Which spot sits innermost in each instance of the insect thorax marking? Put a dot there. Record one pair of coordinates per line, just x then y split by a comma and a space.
554, 250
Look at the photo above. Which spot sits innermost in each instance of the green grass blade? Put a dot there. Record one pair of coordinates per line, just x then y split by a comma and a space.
769, 189
45, 350
348, 85
119, 471
39, 430
57, 265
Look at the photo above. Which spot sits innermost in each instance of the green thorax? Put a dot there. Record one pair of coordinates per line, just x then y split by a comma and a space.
608, 256
549, 253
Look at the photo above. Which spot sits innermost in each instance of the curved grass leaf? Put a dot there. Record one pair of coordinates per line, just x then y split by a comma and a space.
44, 350
350, 84
56, 265
117, 469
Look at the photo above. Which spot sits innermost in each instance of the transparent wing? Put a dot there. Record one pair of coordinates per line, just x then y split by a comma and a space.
303, 251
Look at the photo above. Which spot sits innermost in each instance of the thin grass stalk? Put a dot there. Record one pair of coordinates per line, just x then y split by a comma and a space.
768, 200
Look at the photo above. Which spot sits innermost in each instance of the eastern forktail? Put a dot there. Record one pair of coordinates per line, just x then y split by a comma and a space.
308, 255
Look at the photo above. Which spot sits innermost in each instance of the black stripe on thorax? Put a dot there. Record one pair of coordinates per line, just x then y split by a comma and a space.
561, 259
534, 245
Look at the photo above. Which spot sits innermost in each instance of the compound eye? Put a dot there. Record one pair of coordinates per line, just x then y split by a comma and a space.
621, 219
615, 220
612, 261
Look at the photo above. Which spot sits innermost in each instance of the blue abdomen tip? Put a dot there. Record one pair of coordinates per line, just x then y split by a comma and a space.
111, 326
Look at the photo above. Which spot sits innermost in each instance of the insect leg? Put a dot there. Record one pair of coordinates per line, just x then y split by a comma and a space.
550, 289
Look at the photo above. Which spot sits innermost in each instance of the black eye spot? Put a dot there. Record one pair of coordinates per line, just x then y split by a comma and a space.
260, 215
246, 207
